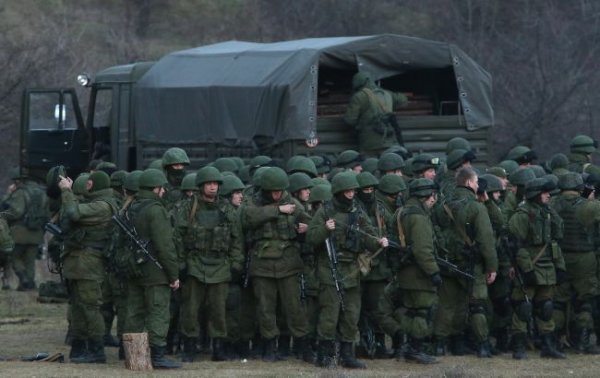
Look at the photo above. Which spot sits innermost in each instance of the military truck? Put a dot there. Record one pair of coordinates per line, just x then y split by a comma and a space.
243, 99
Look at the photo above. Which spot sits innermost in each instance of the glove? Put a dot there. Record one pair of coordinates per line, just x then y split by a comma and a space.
561, 276
436, 279
529, 278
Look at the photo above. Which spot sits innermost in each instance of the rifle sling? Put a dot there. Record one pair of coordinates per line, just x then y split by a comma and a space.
460, 231
540, 254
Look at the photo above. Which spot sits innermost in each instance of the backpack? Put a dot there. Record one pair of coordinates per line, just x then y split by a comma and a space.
37, 213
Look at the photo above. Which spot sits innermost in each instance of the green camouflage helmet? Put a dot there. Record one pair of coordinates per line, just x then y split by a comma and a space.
244, 174
132, 181
117, 178
391, 184
558, 161
7, 244
256, 177
303, 164
493, 183
424, 162
457, 157
390, 162
509, 166
106, 165
175, 155
370, 164
319, 180
570, 181
322, 164
538, 186
101, 181
344, 181
189, 182
360, 79
349, 159
538, 170
230, 185
497, 171
583, 144
299, 181
366, 180
156, 164
274, 179
80, 184
224, 164
398, 150
320, 193
53, 174
457, 143
260, 161
421, 187
14, 173
521, 176
521, 154
554, 179
152, 178
208, 174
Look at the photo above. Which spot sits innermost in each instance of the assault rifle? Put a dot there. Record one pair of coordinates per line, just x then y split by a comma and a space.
302, 288
390, 119
247, 269
332, 255
443, 263
141, 253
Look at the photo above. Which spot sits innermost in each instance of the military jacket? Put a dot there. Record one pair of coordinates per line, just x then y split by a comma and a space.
15, 207
366, 107
89, 233
537, 228
150, 218
418, 230
212, 240
274, 242
471, 218
347, 241
580, 217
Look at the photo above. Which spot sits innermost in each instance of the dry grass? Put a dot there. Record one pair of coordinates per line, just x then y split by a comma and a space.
45, 328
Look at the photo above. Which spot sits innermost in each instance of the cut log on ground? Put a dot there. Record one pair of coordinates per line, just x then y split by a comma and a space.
137, 351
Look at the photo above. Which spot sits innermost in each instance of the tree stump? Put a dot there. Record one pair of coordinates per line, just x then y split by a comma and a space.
137, 351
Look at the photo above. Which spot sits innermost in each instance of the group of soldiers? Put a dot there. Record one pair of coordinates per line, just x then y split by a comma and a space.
323, 258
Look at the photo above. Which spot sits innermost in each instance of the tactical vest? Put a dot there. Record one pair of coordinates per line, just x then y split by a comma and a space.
575, 237
540, 226
97, 236
345, 237
282, 228
209, 232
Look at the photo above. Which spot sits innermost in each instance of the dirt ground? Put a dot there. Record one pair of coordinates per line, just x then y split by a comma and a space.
28, 327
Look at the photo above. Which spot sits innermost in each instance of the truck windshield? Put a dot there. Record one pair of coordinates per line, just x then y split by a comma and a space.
47, 112
102, 108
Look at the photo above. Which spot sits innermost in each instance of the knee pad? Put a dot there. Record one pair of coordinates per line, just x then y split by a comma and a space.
544, 309
502, 306
583, 306
523, 310
476, 308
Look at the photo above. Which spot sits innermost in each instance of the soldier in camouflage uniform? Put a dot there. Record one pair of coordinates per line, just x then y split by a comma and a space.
581, 217
536, 227
582, 147
419, 277
274, 220
470, 244
368, 112
84, 262
174, 161
212, 250
18, 210
7, 245
339, 221
149, 287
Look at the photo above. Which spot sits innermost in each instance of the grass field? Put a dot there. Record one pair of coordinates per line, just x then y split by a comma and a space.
27, 327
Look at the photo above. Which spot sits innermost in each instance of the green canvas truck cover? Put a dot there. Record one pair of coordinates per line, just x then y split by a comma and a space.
234, 91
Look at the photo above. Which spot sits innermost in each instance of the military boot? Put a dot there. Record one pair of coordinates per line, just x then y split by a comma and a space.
549, 347
283, 346
304, 347
258, 348
78, 349
397, 344
242, 348
484, 349
270, 354
189, 349
347, 358
502, 340
582, 342
458, 346
218, 350
159, 361
95, 354
415, 352
381, 350
326, 354
121, 351
440, 346
519, 341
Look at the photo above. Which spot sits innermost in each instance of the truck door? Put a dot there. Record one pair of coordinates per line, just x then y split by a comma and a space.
52, 132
